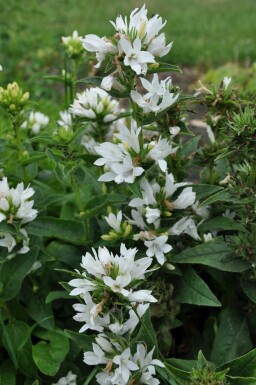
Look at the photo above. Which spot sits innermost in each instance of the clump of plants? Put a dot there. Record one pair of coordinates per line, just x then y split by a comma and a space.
138, 248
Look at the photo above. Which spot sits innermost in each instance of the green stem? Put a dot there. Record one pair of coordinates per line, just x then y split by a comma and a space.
212, 176
8, 339
16, 128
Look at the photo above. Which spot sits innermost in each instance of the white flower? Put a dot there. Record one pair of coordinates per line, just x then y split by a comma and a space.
210, 134
158, 98
1, 67
120, 163
159, 151
70, 379
105, 378
115, 221
95, 104
186, 198
15, 203
89, 315
118, 285
96, 357
73, 44
152, 215
229, 214
141, 296
114, 273
125, 365
65, 120
89, 144
146, 361
81, 286
130, 137
185, 225
157, 248
174, 130
148, 191
24, 249
146, 29
226, 82
133, 320
134, 56
7, 241
208, 237
157, 46
203, 212
102, 47
110, 82
36, 121
107, 83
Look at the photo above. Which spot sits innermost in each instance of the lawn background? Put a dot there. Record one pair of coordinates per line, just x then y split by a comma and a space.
205, 33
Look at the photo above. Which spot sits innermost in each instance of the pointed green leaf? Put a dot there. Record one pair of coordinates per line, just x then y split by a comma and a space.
162, 67
244, 366
216, 253
50, 227
221, 223
190, 288
13, 272
249, 288
232, 338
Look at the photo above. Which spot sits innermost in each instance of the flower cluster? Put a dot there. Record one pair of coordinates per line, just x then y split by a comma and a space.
112, 303
95, 104
70, 379
36, 121
124, 160
121, 366
136, 44
158, 97
16, 206
73, 45
12, 99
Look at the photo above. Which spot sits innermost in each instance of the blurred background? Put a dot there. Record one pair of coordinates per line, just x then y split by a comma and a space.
212, 37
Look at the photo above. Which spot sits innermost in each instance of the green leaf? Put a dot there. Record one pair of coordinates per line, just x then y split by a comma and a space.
190, 288
69, 254
146, 332
162, 67
19, 337
249, 288
186, 365
203, 190
221, 196
11, 229
7, 373
14, 271
49, 354
82, 340
95, 205
40, 312
34, 157
53, 295
36, 382
43, 139
216, 253
221, 223
70, 231
189, 147
244, 366
232, 338
181, 377
241, 380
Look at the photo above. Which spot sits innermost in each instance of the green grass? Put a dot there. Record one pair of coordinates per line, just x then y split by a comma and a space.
205, 32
